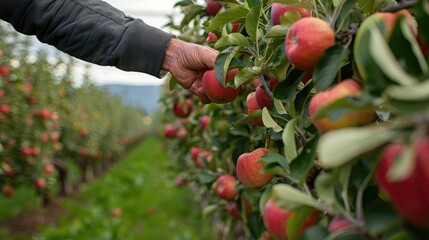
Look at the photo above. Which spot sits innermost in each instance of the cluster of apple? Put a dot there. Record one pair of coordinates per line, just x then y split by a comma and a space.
318, 121
44, 118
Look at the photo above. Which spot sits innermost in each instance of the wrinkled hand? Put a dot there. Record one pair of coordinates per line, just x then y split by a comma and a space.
187, 62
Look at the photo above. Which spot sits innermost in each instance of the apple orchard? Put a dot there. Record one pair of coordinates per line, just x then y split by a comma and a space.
318, 126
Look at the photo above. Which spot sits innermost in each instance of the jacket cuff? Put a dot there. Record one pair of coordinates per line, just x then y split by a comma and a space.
143, 48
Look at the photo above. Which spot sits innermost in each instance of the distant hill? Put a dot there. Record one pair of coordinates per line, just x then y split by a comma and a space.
143, 97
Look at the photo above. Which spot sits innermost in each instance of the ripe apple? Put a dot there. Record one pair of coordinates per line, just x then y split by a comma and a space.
204, 121
249, 169
55, 136
407, 195
84, 152
40, 183
225, 187
169, 131
306, 41
35, 151
213, 7
343, 89
233, 208
8, 171
211, 37
26, 151
2, 93
116, 212
180, 181
8, 190
204, 156
195, 152
5, 109
49, 169
338, 223
235, 26
181, 134
278, 9
253, 106
83, 132
183, 111
262, 97
27, 88
275, 220
215, 91
4, 71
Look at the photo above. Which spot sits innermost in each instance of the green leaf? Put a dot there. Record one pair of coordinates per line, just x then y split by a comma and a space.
289, 140
222, 43
223, 61
328, 66
324, 185
238, 39
287, 88
303, 163
315, 232
296, 3
246, 74
422, 18
403, 166
269, 121
302, 97
191, 11
276, 158
290, 198
380, 216
385, 59
209, 210
371, 6
278, 105
277, 31
183, 3
338, 147
229, 15
296, 221
241, 119
289, 17
252, 22
412, 98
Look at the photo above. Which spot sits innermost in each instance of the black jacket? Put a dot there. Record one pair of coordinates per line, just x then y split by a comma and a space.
91, 30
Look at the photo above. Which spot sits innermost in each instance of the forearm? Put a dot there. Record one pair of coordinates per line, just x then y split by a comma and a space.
91, 30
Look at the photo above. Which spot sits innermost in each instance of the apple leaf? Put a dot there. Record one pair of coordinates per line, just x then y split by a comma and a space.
286, 89
289, 140
324, 184
315, 232
252, 22
303, 163
247, 74
409, 99
403, 166
238, 39
302, 97
296, 3
289, 17
223, 62
379, 216
296, 220
371, 6
328, 66
275, 158
290, 198
244, 118
422, 18
229, 15
191, 11
183, 3
385, 59
269, 121
278, 105
209, 210
338, 147
277, 31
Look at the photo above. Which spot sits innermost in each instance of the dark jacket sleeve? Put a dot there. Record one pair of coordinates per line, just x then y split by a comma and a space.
91, 30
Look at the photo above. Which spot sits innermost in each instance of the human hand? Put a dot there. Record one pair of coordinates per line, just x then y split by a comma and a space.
187, 62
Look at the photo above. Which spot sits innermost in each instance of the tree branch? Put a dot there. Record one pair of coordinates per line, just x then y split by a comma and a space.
406, 4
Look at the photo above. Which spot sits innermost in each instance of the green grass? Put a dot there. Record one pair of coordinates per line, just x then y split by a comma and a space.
142, 185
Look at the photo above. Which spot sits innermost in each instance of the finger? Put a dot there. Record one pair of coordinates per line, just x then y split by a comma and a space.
209, 56
197, 89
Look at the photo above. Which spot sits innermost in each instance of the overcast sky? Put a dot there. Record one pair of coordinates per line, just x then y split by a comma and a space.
153, 13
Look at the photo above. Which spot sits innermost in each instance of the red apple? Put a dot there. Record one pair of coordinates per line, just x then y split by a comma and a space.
249, 169
84, 152
204, 156
8, 190
275, 220
225, 187
213, 7
235, 26
215, 91
40, 183
49, 169
5, 109
2, 93
338, 223
27, 88
204, 121
262, 97
181, 134
278, 9
306, 41
4, 71
35, 151
211, 37
8, 171
233, 208
55, 136
169, 131
116, 212
26, 151
83, 132
180, 181
194, 152
346, 88
253, 106
407, 195
183, 111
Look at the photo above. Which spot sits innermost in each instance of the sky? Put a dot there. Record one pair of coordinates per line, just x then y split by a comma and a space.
153, 13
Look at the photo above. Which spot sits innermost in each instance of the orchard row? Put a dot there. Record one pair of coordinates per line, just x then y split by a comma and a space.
318, 126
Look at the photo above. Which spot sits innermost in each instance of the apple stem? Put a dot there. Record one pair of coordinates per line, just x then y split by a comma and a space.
264, 80
405, 4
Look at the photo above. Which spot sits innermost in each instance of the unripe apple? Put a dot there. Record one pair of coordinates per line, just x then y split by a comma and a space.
338, 223
225, 187
249, 169
346, 88
195, 152
40, 183
4, 71
278, 9
211, 37
233, 208
213, 7
407, 195
215, 91
306, 41
204, 121
181, 110
169, 131
8, 190
5, 109
253, 106
275, 220
262, 97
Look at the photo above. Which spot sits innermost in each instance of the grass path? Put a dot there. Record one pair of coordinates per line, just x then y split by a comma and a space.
142, 186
